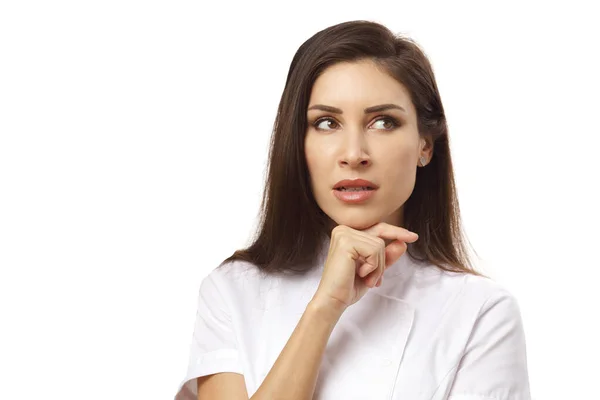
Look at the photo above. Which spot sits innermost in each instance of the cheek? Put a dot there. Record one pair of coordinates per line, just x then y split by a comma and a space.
400, 169
312, 161
316, 156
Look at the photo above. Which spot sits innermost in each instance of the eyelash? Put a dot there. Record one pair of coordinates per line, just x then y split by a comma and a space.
383, 117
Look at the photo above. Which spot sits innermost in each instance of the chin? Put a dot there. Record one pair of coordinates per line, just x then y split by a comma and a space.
358, 222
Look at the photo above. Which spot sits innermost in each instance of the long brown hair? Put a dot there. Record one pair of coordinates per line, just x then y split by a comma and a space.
291, 224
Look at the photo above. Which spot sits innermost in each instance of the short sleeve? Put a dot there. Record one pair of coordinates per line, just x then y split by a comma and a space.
213, 346
494, 363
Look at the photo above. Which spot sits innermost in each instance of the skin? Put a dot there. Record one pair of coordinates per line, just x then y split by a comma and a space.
358, 145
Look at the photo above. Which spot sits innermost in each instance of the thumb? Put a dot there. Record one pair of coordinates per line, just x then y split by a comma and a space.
394, 251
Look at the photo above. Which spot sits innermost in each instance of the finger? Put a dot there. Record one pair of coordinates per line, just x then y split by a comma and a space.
394, 251
372, 279
387, 231
368, 255
367, 267
377, 273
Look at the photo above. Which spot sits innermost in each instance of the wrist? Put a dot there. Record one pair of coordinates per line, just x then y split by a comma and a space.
329, 309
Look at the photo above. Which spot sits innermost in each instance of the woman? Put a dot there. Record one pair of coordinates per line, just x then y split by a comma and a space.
358, 284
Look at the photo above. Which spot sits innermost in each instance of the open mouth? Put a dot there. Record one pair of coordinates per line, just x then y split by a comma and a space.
354, 195
354, 189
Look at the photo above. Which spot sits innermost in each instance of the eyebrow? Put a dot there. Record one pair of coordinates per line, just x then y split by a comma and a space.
381, 107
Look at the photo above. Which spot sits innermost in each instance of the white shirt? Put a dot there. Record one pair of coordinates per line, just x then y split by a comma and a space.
423, 334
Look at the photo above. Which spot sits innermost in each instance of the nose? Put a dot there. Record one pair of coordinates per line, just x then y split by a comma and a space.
354, 152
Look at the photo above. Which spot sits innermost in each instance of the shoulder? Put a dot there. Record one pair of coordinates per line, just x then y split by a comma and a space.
494, 359
484, 289
487, 292
432, 288
496, 303
232, 277
243, 286
468, 284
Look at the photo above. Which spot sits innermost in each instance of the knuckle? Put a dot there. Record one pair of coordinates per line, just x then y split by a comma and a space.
337, 230
335, 233
343, 240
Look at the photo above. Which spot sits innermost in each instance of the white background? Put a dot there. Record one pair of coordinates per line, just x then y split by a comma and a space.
133, 144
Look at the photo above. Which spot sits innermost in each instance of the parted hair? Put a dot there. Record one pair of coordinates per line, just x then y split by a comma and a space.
291, 225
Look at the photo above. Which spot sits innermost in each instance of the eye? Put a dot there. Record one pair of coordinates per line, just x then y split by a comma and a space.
390, 120
320, 120
392, 123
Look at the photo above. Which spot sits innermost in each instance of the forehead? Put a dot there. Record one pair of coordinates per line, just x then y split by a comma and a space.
358, 84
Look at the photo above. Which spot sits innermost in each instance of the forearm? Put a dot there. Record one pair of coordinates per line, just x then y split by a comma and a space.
294, 373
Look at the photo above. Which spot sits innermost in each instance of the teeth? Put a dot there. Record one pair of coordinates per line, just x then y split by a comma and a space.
353, 189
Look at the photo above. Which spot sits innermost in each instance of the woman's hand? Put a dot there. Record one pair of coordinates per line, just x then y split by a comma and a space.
356, 261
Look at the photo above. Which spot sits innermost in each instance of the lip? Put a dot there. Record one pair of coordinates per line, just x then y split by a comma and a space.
355, 197
354, 183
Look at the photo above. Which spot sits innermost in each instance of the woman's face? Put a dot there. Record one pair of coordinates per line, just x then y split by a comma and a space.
380, 146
